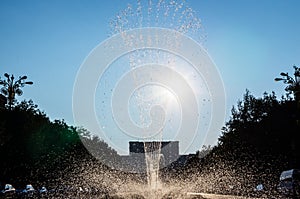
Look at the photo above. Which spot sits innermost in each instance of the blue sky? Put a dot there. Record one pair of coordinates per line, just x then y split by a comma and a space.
251, 42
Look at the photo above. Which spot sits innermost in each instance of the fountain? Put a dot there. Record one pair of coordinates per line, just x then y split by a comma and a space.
160, 14
152, 101
152, 157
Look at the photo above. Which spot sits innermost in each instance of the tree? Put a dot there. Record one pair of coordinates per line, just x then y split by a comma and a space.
10, 87
35, 149
293, 83
293, 87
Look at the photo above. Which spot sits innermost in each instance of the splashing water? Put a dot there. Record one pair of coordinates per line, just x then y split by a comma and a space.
135, 44
171, 14
153, 159
175, 15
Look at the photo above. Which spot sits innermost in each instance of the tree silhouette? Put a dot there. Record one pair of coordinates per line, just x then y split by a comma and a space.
35, 149
10, 87
293, 87
293, 83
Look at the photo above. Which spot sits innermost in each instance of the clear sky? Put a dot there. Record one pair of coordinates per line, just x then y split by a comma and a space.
250, 41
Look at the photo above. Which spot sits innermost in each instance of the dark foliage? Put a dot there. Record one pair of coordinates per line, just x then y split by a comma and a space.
35, 150
257, 143
264, 130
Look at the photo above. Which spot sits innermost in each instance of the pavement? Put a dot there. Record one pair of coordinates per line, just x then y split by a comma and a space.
214, 196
